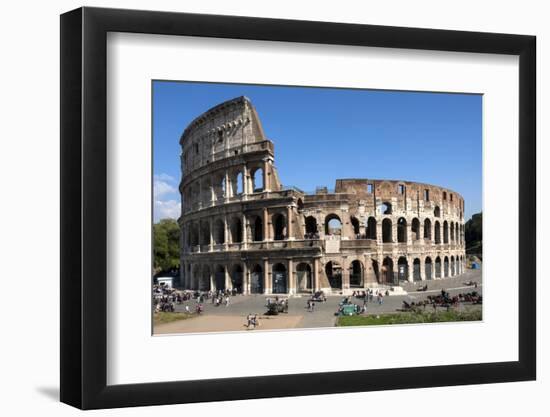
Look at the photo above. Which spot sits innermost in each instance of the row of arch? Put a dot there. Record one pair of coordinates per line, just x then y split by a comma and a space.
453, 232
226, 184
391, 271
220, 277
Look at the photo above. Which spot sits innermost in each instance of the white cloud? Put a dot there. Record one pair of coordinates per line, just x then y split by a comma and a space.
162, 188
164, 177
168, 209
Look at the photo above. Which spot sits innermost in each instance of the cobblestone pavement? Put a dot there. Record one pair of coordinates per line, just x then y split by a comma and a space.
323, 314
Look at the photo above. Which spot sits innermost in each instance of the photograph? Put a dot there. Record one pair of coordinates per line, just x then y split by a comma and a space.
301, 207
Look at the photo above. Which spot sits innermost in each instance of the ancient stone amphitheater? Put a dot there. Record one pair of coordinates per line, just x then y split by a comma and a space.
243, 230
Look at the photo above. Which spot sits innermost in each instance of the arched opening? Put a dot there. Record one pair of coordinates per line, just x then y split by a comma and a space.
333, 270
452, 232
194, 234
387, 271
219, 233
311, 228
457, 235
204, 284
219, 277
279, 275
403, 269
303, 278
256, 280
333, 225
446, 267
428, 268
279, 226
355, 225
386, 231
376, 270
237, 278
195, 278
219, 187
258, 180
445, 232
437, 211
371, 228
257, 229
239, 184
205, 233
428, 229
415, 229
416, 270
402, 230
300, 205
438, 267
385, 208
236, 230
437, 232
356, 274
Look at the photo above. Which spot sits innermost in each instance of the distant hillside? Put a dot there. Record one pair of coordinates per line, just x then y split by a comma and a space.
473, 234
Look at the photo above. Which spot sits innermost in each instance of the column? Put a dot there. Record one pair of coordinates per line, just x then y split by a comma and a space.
245, 180
345, 274
212, 189
291, 284
409, 232
394, 230
421, 232
379, 231
228, 284
266, 176
316, 274
210, 225
423, 269
225, 232
212, 283
228, 189
266, 224
289, 223
267, 280
410, 269
246, 279
244, 232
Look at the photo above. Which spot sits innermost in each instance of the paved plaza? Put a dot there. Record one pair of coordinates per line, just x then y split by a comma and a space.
233, 316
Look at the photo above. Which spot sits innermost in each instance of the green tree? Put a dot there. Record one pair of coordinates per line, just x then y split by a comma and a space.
473, 234
166, 245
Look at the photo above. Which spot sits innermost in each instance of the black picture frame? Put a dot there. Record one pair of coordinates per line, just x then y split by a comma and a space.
84, 207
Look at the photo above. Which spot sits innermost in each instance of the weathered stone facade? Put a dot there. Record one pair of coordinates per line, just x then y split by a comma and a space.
242, 229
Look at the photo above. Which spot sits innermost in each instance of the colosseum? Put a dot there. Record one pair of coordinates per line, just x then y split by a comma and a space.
241, 229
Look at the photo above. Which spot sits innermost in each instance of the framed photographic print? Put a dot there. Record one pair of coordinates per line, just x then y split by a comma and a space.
282, 208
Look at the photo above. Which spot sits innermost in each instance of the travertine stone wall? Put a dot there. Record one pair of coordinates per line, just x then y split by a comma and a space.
242, 229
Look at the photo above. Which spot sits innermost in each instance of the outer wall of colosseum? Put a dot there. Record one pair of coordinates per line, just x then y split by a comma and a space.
241, 229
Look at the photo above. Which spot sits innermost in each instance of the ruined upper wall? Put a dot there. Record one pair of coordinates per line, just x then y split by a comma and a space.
227, 129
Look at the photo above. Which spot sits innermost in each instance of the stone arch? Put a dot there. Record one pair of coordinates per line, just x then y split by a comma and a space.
205, 232
300, 205
355, 224
437, 211
385, 208
452, 230
457, 234
194, 232
387, 271
402, 230
415, 229
304, 279
204, 284
218, 232
386, 231
237, 278
438, 267
333, 271
371, 228
258, 181
375, 270
195, 276
445, 232
402, 268
333, 224
356, 274
279, 279
417, 276
279, 226
428, 268
311, 227
446, 266
219, 277
428, 229
256, 280
437, 232
236, 230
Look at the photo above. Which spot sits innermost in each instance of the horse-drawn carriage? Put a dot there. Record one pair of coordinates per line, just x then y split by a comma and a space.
277, 306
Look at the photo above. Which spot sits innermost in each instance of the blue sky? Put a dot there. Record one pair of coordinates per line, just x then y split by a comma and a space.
322, 134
